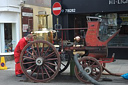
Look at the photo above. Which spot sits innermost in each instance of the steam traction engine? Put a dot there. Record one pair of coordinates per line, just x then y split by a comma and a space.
41, 60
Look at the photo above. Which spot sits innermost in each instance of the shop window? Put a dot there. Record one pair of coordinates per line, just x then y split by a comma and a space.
110, 24
8, 37
122, 38
124, 24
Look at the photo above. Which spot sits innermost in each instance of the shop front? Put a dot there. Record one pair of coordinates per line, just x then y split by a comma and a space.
9, 30
17, 19
114, 14
9, 26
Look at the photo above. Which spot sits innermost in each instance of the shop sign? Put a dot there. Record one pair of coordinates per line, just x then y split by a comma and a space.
70, 10
56, 8
118, 1
27, 14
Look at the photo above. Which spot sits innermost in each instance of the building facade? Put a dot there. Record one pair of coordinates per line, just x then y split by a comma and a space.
9, 24
113, 12
16, 17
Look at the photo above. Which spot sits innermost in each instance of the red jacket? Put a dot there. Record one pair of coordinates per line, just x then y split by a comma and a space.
21, 44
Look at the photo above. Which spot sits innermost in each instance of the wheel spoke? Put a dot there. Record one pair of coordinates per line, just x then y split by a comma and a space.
46, 72
84, 63
38, 49
42, 50
94, 66
46, 51
49, 68
51, 63
92, 74
34, 70
38, 72
28, 52
97, 71
42, 72
89, 62
29, 62
30, 67
50, 55
51, 59
34, 50
29, 57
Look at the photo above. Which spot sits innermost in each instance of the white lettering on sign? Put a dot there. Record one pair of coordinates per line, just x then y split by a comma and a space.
70, 10
27, 14
57, 8
118, 1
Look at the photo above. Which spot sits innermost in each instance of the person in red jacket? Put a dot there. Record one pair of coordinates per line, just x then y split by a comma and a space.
21, 44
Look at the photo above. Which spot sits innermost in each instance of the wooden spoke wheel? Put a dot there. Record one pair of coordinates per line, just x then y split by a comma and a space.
91, 66
65, 61
40, 61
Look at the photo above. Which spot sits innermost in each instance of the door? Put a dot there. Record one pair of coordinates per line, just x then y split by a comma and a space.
27, 20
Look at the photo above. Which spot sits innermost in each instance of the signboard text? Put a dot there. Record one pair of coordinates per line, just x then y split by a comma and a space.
118, 1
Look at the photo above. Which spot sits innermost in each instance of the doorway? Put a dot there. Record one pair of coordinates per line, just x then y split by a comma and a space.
27, 21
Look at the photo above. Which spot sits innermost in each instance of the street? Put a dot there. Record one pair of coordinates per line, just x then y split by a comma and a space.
7, 77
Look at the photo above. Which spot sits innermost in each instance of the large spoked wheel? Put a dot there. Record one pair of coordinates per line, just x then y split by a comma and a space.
91, 66
65, 61
40, 61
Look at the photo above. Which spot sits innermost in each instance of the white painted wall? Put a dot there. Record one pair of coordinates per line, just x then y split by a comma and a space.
2, 42
14, 18
10, 2
10, 13
41, 3
10, 5
8, 17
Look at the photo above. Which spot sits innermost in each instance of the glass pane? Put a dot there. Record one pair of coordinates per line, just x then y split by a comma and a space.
8, 37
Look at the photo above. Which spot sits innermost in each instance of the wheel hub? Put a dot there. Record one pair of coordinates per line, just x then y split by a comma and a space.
39, 61
88, 70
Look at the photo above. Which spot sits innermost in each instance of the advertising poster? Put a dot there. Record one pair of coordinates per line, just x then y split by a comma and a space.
25, 27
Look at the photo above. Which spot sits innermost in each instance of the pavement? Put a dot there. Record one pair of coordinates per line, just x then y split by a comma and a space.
119, 67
